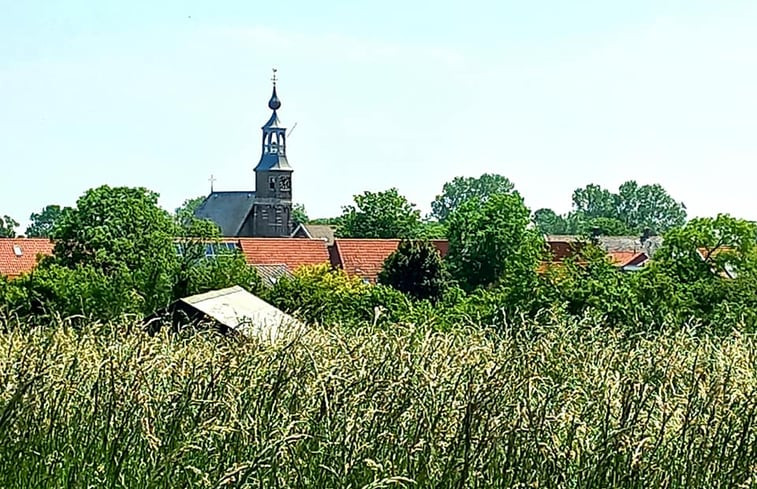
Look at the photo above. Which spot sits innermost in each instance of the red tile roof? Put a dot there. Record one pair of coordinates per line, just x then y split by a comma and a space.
627, 258
292, 252
19, 255
364, 258
561, 250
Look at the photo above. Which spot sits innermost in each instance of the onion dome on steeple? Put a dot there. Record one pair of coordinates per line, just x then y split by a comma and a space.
274, 103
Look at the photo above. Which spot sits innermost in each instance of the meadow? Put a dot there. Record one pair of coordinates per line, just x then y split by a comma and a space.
566, 404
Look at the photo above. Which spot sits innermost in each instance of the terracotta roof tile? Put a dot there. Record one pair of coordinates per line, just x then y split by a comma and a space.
292, 252
364, 258
627, 258
19, 255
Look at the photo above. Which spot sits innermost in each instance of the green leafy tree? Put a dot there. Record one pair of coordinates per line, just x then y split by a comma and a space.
493, 242
299, 214
706, 269
601, 226
433, 229
8, 227
122, 232
548, 221
462, 189
593, 201
416, 269
638, 208
649, 207
42, 223
384, 214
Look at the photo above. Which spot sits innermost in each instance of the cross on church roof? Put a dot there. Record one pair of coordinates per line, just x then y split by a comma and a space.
273, 78
212, 180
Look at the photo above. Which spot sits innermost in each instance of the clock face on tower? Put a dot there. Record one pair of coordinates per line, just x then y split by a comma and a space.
285, 183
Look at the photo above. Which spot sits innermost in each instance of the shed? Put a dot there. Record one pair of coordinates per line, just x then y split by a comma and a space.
232, 310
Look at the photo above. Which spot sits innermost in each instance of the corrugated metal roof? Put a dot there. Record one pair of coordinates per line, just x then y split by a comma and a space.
243, 312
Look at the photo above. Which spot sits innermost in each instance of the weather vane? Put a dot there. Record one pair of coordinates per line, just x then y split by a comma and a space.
274, 79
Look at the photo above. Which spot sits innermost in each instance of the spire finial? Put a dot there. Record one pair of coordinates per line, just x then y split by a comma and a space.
274, 104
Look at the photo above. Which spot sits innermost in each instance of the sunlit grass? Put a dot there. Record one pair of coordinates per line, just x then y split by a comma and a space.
565, 406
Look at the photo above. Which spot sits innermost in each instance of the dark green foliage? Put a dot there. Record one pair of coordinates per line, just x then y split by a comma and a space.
548, 221
417, 270
706, 270
462, 189
633, 210
42, 223
491, 242
119, 253
433, 230
8, 227
384, 214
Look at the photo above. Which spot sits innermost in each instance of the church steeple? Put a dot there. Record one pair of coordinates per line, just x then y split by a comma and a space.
272, 209
273, 153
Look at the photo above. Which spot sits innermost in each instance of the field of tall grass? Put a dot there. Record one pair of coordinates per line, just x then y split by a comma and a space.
564, 405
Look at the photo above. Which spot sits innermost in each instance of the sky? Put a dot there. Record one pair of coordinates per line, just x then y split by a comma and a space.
408, 94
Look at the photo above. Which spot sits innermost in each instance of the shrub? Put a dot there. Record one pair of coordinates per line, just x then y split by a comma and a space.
416, 269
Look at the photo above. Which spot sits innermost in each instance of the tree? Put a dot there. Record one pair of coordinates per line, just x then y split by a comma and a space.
384, 214
8, 227
121, 232
649, 207
299, 214
42, 223
416, 269
706, 269
638, 208
493, 242
548, 221
461, 189
593, 201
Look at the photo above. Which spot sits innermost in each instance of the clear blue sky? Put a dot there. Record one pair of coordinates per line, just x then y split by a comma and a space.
553, 94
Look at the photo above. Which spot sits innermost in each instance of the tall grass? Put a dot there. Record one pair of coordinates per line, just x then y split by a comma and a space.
567, 406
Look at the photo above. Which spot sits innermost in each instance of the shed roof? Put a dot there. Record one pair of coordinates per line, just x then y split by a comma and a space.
241, 312
20, 255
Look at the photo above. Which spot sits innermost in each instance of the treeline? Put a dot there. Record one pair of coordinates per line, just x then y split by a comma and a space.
117, 252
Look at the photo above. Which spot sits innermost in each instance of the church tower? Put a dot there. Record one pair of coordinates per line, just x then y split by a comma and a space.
271, 214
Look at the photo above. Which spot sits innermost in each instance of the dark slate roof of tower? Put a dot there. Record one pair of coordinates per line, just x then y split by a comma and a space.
227, 209
273, 162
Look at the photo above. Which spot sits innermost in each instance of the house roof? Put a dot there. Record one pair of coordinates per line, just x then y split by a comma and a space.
270, 274
613, 243
19, 255
315, 231
364, 258
292, 252
622, 259
227, 209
